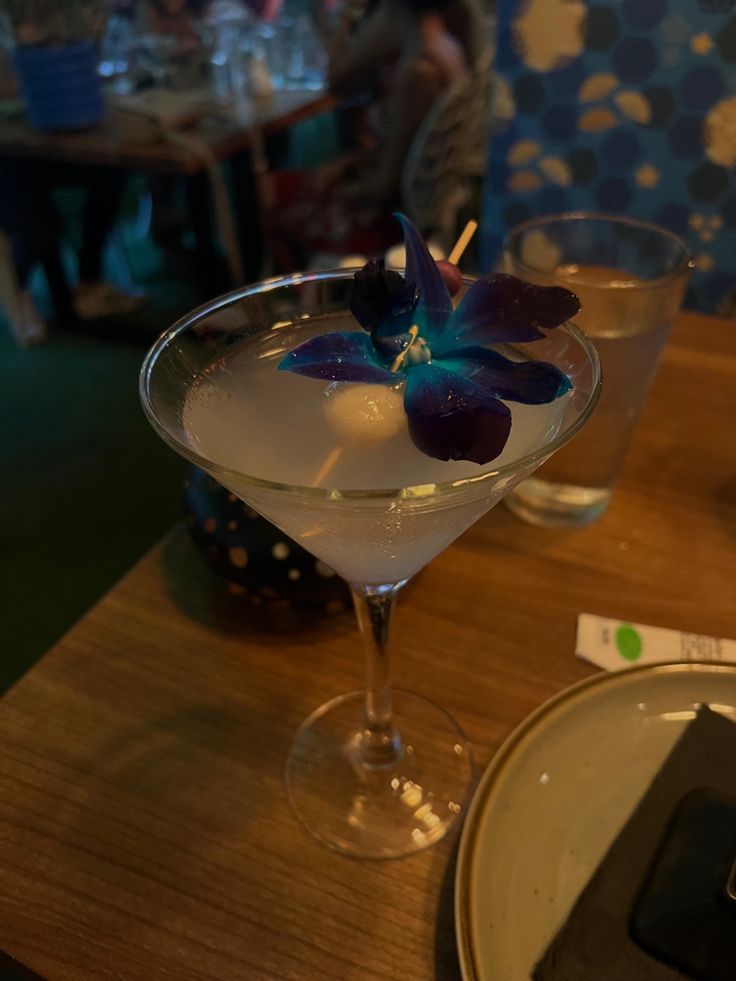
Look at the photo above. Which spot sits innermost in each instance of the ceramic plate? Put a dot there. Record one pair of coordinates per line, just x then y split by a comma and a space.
554, 798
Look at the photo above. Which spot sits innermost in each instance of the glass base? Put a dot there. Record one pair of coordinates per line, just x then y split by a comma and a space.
385, 810
543, 502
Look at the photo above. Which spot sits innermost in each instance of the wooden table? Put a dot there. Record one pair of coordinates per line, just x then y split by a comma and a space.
126, 140
145, 834
134, 143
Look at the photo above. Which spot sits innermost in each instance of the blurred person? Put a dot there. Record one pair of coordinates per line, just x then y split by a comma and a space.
177, 19
122, 8
345, 205
368, 41
265, 9
370, 38
409, 65
31, 220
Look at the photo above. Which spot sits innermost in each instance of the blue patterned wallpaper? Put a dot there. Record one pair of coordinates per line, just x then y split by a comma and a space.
626, 106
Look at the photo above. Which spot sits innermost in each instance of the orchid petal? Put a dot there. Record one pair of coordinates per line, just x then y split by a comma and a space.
452, 418
435, 304
381, 300
393, 344
348, 357
532, 382
499, 309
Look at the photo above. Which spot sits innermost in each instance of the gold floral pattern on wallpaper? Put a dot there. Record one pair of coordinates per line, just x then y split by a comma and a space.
503, 104
701, 44
608, 104
626, 106
548, 32
539, 252
720, 133
647, 176
706, 226
530, 168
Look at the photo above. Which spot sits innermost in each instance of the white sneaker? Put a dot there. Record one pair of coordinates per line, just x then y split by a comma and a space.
26, 323
95, 300
33, 329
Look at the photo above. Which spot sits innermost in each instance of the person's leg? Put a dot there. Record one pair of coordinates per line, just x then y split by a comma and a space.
58, 284
168, 220
247, 207
212, 279
27, 213
105, 188
29, 217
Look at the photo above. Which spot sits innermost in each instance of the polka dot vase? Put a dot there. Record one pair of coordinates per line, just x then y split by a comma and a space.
255, 557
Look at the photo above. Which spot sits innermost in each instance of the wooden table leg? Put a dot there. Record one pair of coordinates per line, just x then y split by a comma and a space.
209, 262
248, 219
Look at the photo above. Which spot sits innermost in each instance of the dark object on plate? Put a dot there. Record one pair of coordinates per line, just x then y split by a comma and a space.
683, 914
257, 559
13, 970
595, 942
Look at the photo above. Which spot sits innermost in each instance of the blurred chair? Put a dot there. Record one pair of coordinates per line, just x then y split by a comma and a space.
447, 154
446, 159
623, 106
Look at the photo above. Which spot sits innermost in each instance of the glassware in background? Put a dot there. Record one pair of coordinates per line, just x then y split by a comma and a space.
116, 46
374, 774
254, 57
227, 35
7, 39
307, 62
294, 52
630, 277
150, 62
266, 57
220, 79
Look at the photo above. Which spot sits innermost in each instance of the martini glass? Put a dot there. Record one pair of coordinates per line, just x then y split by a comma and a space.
373, 773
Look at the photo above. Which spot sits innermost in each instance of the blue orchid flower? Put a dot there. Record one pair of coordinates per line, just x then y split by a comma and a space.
453, 380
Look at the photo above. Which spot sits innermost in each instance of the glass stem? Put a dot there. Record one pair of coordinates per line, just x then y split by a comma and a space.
374, 606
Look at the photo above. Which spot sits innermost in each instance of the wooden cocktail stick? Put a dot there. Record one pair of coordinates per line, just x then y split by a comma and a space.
462, 243
329, 462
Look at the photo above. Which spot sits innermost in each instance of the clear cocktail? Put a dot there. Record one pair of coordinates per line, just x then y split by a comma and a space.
250, 418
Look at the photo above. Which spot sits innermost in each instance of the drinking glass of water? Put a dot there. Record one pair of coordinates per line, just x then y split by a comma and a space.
630, 277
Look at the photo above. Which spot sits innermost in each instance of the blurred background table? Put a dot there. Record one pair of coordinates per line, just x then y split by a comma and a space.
144, 825
233, 134
127, 140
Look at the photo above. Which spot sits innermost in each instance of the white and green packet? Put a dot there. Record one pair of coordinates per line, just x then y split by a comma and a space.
616, 644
